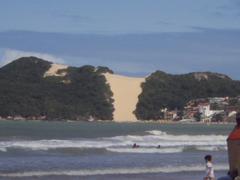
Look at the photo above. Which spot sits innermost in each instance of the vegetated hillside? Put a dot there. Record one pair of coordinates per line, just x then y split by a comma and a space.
81, 94
162, 90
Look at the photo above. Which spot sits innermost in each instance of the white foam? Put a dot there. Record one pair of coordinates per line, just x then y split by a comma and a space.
147, 150
54, 144
3, 149
168, 142
211, 148
165, 136
188, 140
157, 132
109, 171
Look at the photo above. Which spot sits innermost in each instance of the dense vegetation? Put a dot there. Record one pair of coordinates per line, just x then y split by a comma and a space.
80, 95
163, 90
83, 93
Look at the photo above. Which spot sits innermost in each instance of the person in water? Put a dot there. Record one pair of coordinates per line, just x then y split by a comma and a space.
209, 168
135, 146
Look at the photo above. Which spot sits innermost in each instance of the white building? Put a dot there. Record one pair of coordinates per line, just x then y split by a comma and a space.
206, 112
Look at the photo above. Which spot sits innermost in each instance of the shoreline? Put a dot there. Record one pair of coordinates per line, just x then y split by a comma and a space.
119, 122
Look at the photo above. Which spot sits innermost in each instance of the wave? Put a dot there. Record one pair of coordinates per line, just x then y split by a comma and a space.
166, 150
3, 149
211, 148
212, 138
169, 143
54, 144
147, 150
112, 171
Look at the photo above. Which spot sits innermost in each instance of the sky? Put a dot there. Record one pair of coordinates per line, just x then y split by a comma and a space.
132, 37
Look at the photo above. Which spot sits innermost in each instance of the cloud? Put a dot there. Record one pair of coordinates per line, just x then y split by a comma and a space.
232, 8
164, 22
205, 49
11, 54
77, 18
74, 17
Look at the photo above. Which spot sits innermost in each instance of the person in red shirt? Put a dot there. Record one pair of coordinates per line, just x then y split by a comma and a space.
234, 149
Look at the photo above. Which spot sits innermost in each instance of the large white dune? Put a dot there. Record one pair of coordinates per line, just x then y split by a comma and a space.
125, 94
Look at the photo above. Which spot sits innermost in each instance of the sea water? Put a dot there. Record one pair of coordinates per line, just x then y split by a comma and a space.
103, 150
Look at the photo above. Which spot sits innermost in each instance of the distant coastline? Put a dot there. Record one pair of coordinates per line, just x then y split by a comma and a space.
121, 122
43, 90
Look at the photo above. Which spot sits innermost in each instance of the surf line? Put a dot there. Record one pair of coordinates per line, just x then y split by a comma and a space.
88, 172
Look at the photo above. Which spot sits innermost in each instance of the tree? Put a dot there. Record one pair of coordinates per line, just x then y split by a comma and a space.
198, 116
24, 91
162, 90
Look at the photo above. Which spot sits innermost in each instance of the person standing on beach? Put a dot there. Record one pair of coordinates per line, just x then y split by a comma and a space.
209, 168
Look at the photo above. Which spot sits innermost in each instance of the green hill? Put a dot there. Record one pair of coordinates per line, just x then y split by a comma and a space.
162, 90
80, 95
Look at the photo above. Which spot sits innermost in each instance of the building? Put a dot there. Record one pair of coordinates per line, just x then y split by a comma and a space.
218, 100
205, 111
202, 108
169, 115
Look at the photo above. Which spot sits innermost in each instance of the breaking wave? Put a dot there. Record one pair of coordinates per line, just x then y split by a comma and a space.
147, 150
3, 149
112, 171
169, 143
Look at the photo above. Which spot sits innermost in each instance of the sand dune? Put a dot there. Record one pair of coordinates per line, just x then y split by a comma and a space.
52, 71
125, 94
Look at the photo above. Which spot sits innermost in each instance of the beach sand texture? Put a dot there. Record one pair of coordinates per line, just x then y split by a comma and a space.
52, 71
125, 94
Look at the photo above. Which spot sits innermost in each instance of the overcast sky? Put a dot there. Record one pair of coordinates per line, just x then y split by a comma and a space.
132, 37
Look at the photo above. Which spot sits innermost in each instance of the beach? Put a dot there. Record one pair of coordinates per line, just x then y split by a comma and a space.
103, 150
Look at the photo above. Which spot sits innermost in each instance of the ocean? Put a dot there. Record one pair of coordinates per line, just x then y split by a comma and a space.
32, 150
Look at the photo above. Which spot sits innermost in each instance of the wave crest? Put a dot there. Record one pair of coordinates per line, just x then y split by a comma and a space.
169, 143
109, 171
